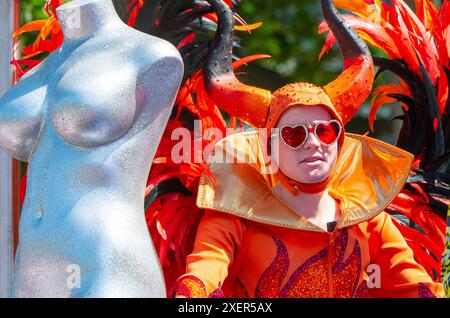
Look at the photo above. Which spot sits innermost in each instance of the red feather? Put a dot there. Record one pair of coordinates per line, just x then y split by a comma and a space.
50, 37
420, 40
373, 33
138, 4
413, 237
380, 98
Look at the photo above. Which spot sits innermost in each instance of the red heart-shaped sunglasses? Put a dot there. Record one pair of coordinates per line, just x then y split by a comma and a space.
295, 136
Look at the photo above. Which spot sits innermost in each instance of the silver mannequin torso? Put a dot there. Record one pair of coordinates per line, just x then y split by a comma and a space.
88, 121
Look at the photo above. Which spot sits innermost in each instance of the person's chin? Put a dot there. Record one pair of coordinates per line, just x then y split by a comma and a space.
314, 178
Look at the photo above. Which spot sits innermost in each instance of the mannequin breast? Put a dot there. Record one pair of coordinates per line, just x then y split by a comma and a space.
92, 107
92, 97
21, 114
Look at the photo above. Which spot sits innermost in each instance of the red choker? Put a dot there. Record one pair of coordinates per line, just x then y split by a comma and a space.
310, 188
295, 186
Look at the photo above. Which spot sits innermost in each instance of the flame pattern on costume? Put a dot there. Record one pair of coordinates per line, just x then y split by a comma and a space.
346, 273
417, 44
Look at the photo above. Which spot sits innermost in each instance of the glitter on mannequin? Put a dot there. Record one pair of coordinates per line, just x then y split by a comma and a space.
88, 121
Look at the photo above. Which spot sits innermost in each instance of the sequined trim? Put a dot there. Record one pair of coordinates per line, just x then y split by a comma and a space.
239, 290
269, 283
425, 292
347, 272
217, 293
192, 287
310, 279
362, 291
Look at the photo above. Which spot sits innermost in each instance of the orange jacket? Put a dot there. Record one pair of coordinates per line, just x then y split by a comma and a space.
251, 244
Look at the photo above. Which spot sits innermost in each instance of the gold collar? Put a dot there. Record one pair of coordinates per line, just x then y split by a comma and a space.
369, 175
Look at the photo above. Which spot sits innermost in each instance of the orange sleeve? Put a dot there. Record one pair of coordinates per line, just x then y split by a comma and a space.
218, 239
400, 275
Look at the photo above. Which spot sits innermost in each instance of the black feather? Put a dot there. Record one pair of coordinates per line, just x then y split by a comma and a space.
436, 137
164, 187
397, 67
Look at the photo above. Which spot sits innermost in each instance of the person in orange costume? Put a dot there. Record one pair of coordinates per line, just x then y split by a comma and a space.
308, 220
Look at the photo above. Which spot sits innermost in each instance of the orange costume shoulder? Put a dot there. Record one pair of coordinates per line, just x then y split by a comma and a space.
251, 244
